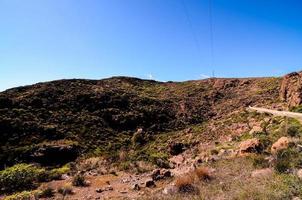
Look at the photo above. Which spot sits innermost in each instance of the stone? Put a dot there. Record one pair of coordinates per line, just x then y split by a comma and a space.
108, 188
87, 183
156, 175
170, 190
135, 187
250, 146
290, 91
255, 129
149, 183
262, 173
282, 143
167, 174
299, 173
99, 190
65, 177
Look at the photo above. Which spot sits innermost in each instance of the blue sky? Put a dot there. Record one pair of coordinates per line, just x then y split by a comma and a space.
56, 39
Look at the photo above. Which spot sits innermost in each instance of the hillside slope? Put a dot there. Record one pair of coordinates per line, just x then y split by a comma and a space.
75, 117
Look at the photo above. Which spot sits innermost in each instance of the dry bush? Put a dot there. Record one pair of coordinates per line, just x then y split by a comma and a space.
185, 184
90, 164
202, 173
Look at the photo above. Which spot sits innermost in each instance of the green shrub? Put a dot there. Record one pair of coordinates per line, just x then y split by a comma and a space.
25, 195
79, 180
293, 131
55, 174
46, 193
259, 161
20, 177
287, 159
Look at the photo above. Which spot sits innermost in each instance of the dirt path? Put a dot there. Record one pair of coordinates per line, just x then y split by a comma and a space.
295, 115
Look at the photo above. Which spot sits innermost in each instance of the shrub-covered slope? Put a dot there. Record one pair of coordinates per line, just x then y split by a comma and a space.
55, 122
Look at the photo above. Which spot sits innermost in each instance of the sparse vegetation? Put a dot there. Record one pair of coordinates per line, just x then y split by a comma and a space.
203, 173
185, 184
25, 195
79, 180
46, 193
20, 177
65, 190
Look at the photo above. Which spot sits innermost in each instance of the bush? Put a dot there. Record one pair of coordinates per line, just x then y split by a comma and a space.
25, 195
20, 177
293, 131
185, 184
79, 180
287, 159
56, 174
202, 173
46, 193
65, 190
259, 161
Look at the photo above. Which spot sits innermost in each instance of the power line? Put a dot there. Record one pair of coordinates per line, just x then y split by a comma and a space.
211, 30
211, 33
188, 16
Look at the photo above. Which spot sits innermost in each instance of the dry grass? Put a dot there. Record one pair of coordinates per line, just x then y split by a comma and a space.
185, 184
203, 173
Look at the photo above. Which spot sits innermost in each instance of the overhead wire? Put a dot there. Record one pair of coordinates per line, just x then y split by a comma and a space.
211, 32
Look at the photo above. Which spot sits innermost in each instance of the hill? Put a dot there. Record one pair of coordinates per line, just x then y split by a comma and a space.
126, 120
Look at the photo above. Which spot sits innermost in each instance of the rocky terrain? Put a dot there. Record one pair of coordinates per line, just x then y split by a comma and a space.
127, 138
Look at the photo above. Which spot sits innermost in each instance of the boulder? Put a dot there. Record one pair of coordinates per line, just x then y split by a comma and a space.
250, 146
156, 175
166, 173
170, 190
149, 183
262, 173
135, 187
282, 143
291, 87
299, 173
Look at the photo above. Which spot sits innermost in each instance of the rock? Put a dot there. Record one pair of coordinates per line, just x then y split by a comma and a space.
262, 173
281, 144
255, 129
65, 177
99, 190
149, 183
135, 187
170, 190
299, 173
291, 87
167, 174
250, 146
178, 160
156, 175
108, 188
296, 198
87, 183
176, 148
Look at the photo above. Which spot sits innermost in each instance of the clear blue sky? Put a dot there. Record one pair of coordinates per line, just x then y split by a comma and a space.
43, 40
